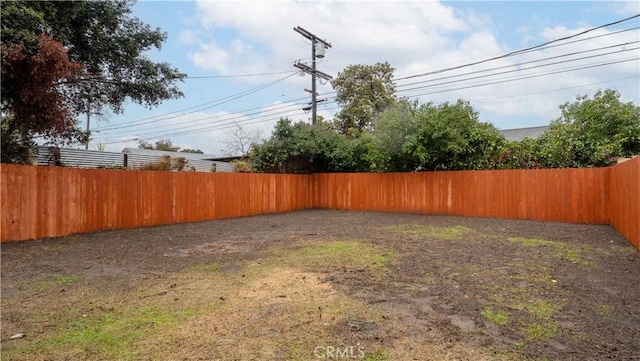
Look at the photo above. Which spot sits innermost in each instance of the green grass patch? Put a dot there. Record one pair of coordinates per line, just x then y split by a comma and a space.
548, 280
204, 267
448, 233
542, 309
377, 355
605, 309
563, 251
57, 281
110, 335
340, 253
626, 249
497, 317
541, 331
572, 256
534, 242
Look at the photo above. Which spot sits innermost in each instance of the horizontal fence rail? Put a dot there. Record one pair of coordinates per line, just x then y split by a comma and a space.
40, 202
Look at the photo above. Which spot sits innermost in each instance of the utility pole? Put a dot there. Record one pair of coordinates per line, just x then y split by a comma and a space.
317, 51
86, 145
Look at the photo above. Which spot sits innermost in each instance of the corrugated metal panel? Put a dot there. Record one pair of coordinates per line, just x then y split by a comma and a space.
522, 133
82, 158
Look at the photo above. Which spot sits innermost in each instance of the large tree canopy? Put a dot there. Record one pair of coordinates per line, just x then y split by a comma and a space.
106, 40
413, 137
363, 91
592, 132
102, 43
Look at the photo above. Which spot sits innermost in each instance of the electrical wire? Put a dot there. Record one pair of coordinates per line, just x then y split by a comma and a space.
209, 106
163, 117
221, 123
521, 51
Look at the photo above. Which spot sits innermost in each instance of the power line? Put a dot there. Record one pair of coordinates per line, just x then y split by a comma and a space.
225, 123
276, 111
230, 122
510, 71
524, 77
210, 104
162, 117
520, 51
238, 75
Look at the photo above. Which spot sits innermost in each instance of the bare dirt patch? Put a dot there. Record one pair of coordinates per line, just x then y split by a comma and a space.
325, 285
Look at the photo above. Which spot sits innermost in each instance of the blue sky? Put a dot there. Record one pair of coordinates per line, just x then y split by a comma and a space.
246, 50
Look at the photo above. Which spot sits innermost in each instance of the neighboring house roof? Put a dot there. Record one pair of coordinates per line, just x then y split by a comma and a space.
522, 133
82, 158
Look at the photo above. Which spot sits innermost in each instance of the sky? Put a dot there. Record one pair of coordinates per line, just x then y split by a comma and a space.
239, 58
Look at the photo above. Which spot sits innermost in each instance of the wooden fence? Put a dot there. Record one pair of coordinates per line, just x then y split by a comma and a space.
42, 202
52, 201
623, 196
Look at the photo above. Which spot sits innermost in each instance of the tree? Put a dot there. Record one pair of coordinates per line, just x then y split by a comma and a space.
188, 150
162, 144
307, 148
363, 91
32, 101
100, 37
592, 132
395, 137
412, 137
103, 37
452, 137
242, 141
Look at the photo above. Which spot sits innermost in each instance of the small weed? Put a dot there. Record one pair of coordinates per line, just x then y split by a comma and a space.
499, 318
519, 345
57, 281
548, 280
541, 331
448, 233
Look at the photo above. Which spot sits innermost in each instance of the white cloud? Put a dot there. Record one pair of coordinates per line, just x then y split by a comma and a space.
414, 37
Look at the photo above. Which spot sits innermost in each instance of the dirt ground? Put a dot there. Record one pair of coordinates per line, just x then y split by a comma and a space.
323, 284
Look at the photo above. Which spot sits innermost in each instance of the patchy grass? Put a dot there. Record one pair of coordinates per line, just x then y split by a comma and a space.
605, 309
563, 251
261, 304
534, 242
111, 335
571, 255
447, 233
351, 254
204, 267
497, 317
43, 285
542, 309
377, 355
540, 331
